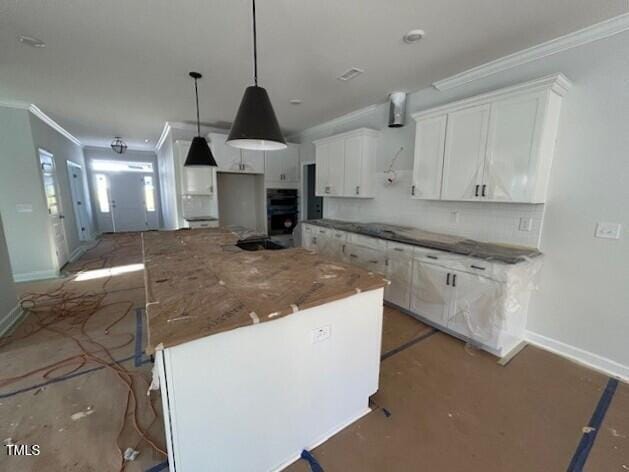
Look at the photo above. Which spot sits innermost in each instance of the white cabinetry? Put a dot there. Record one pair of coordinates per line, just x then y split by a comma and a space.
485, 302
197, 180
231, 159
282, 167
493, 147
346, 164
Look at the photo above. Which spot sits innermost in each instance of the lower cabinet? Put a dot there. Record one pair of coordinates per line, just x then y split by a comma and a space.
489, 311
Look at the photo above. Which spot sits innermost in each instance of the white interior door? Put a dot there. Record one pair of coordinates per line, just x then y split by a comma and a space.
77, 190
55, 211
464, 156
127, 202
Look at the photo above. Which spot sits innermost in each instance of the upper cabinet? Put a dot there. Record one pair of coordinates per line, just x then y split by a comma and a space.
282, 167
345, 164
193, 180
493, 147
231, 159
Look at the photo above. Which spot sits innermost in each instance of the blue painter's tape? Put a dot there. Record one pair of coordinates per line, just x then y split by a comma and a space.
138, 338
388, 354
314, 464
587, 440
61, 379
158, 467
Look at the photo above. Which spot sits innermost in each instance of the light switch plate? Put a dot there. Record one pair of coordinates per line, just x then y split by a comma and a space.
608, 230
526, 224
321, 333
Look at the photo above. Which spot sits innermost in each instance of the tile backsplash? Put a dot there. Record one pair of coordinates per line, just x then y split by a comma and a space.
482, 221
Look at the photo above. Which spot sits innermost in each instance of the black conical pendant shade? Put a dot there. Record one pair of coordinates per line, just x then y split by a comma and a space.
255, 125
199, 153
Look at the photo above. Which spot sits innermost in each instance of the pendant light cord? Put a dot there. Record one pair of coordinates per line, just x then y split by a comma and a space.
196, 93
255, 47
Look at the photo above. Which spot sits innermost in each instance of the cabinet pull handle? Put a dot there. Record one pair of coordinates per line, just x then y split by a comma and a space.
477, 267
343, 248
398, 249
353, 255
448, 279
373, 262
484, 188
357, 189
476, 192
432, 257
413, 190
454, 280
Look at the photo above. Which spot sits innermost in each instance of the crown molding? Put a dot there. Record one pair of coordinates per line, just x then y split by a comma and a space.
53, 124
338, 120
557, 83
596, 32
14, 104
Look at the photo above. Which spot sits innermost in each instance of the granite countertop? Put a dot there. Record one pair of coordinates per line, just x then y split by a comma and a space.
198, 283
441, 242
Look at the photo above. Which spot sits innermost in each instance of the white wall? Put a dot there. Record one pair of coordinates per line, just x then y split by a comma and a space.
239, 196
92, 153
27, 233
582, 300
63, 150
8, 299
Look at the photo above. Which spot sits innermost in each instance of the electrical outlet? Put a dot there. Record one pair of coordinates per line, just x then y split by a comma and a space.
608, 230
526, 223
321, 334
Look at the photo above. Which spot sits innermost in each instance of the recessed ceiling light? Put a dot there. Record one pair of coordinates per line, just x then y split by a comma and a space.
413, 36
296, 101
30, 41
350, 74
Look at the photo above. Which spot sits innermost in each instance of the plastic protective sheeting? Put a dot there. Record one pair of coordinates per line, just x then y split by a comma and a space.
481, 300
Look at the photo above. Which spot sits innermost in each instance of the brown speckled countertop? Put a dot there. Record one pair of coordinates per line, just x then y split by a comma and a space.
442, 242
198, 283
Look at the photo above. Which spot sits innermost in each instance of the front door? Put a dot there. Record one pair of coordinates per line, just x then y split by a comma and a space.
53, 203
75, 173
127, 202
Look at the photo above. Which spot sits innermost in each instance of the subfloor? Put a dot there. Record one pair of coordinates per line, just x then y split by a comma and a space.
73, 380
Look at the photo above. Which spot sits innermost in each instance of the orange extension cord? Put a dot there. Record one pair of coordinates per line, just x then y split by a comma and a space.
57, 306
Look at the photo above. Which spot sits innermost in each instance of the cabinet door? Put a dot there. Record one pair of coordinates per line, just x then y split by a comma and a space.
291, 163
430, 296
477, 307
464, 155
512, 148
430, 138
252, 161
399, 272
227, 157
194, 180
282, 166
353, 166
336, 166
322, 169
273, 166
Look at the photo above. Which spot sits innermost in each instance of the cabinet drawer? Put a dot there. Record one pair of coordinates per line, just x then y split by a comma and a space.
320, 231
338, 235
367, 258
400, 250
366, 241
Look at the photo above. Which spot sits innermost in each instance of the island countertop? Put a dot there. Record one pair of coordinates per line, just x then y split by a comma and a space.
198, 283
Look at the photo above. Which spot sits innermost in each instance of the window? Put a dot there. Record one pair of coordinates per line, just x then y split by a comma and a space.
149, 193
102, 193
121, 166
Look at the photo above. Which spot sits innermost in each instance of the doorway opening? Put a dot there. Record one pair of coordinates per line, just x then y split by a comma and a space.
313, 205
55, 209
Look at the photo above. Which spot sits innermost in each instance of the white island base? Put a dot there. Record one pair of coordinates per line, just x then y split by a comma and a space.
251, 399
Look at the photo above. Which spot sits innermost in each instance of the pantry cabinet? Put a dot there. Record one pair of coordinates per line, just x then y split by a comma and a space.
345, 164
494, 147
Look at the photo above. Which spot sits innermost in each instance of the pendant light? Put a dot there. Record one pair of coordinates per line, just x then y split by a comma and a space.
118, 145
255, 126
199, 153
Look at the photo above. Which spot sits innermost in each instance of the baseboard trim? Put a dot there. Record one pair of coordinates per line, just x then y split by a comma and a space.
580, 356
78, 252
37, 275
11, 319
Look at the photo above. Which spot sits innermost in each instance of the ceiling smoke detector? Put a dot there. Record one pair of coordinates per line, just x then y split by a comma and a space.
350, 74
30, 41
413, 36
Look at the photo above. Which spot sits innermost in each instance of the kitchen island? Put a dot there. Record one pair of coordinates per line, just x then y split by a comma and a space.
260, 354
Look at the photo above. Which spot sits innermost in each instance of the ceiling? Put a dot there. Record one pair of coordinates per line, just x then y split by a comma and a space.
119, 67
